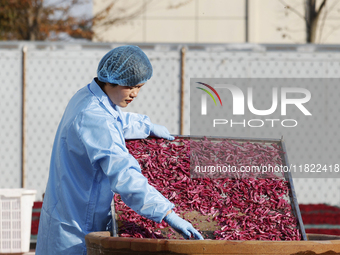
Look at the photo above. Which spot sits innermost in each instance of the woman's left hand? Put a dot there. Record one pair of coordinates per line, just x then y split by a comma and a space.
161, 132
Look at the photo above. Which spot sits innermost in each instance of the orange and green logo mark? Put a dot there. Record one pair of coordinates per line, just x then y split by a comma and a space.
209, 93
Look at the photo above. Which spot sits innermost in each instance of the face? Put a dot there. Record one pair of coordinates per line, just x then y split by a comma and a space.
122, 95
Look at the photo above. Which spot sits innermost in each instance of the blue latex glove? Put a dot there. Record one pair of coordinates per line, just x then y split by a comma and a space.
182, 226
161, 132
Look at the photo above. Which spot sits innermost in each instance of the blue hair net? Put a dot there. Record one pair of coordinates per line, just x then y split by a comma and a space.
125, 65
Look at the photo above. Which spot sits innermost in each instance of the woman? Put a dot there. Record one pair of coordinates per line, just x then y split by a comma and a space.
90, 162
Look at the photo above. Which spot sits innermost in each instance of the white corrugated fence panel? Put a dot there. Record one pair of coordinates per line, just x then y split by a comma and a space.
10, 118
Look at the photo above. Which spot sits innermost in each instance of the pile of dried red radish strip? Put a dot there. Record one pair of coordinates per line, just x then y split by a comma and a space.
241, 207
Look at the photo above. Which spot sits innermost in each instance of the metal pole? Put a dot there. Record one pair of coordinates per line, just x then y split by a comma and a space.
292, 194
114, 222
246, 21
23, 115
182, 90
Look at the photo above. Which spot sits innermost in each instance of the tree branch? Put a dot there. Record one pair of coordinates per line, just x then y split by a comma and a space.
322, 24
331, 32
108, 22
176, 6
292, 9
322, 5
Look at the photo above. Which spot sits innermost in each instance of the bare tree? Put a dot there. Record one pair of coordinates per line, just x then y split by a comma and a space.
314, 17
34, 20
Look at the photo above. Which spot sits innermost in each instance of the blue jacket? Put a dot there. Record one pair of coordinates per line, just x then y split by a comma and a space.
89, 162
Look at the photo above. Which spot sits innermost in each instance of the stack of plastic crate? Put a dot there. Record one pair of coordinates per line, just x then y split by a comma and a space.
15, 219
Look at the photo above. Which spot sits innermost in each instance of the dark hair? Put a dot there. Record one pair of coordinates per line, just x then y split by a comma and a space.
102, 84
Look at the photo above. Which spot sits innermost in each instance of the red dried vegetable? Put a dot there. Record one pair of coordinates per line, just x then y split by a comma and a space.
249, 208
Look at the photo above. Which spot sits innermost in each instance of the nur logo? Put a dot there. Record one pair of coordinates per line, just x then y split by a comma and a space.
204, 97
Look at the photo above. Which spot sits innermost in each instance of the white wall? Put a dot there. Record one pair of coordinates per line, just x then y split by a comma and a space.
216, 21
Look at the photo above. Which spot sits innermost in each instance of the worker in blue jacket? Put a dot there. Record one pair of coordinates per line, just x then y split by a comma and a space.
90, 161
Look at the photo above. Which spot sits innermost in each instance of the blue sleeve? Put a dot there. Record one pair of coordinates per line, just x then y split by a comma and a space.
105, 147
135, 126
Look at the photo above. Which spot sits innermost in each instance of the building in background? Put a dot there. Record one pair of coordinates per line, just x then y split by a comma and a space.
215, 21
